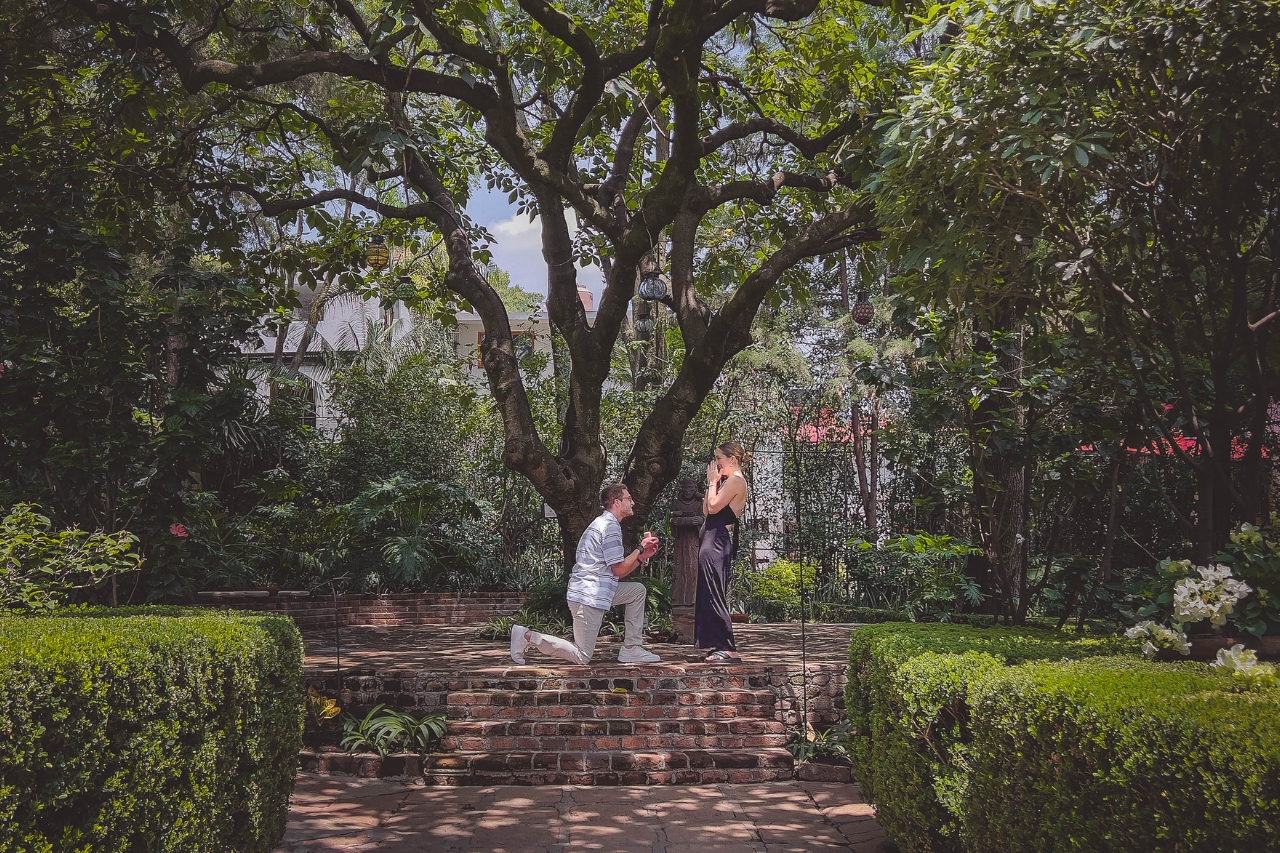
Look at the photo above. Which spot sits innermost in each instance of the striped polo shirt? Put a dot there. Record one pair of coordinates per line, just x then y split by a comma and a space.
592, 581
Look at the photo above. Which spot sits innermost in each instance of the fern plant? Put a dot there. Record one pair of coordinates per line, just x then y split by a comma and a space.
806, 745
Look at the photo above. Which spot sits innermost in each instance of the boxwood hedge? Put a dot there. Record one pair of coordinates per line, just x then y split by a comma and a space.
1027, 740
148, 730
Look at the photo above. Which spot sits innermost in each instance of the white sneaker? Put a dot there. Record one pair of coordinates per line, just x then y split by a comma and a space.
637, 654
519, 643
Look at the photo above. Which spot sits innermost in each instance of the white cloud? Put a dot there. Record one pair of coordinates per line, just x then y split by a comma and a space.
516, 226
517, 248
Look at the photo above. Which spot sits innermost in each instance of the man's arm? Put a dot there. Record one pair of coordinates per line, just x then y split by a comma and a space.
649, 547
627, 566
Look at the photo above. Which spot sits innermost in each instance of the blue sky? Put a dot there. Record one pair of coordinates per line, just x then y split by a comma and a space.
518, 244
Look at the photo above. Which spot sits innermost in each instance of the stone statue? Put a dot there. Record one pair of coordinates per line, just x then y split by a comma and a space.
686, 518
687, 504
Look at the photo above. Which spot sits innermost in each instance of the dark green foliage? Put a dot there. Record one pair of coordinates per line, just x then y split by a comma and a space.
1254, 557
1008, 739
1121, 755
384, 730
907, 700
402, 408
40, 568
150, 729
118, 328
547, 600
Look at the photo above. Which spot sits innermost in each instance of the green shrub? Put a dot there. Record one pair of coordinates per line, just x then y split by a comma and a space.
1121, 755
1006, 739
151, 729
907, 698
40, 569
778, 584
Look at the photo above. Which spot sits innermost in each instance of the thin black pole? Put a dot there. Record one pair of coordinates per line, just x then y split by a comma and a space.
804, 658
337, 637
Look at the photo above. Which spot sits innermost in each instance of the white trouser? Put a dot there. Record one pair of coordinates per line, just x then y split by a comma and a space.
586, 626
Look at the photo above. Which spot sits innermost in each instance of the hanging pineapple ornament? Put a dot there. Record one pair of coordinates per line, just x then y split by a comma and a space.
863, 311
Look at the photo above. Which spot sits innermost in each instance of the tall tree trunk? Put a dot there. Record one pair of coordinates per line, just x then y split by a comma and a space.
1202, 545
999, 481
873, 464
844, 282
860, 461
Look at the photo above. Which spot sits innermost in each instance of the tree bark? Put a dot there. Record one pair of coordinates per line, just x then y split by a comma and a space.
999, 479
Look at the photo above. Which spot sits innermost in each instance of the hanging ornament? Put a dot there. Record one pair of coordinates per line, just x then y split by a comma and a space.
863, 311
376, 254
406, 289
653, 287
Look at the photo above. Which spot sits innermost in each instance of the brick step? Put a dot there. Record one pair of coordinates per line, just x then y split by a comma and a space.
626, 679
625, 734
658, 767
601, 678
593, 728
609, 705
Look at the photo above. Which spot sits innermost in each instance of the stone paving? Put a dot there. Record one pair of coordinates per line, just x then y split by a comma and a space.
333, 814
460, 649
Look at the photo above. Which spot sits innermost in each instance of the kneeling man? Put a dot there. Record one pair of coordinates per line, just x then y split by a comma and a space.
594, 588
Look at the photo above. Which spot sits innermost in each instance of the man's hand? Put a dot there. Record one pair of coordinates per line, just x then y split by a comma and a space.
648, 547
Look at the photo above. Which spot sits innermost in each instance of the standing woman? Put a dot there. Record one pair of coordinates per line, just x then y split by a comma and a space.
722, 507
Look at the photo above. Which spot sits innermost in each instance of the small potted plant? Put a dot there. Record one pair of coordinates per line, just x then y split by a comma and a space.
321, 728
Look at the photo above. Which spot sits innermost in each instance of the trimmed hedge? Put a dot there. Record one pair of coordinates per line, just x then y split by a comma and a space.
1116, 754
153, 729
1020, 739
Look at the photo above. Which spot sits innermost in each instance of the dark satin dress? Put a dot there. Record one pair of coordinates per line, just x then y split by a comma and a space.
712, 627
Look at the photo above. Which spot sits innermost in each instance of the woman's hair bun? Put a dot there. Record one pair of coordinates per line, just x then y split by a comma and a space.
734, 449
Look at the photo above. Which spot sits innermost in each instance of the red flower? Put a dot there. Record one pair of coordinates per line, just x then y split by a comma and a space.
178, 530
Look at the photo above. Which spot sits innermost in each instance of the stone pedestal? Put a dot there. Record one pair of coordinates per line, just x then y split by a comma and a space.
686, 522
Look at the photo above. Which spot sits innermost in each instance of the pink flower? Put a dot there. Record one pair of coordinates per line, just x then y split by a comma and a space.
178, 530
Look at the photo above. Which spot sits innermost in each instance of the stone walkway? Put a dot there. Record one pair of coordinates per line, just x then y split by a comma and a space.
332, 814
458, 649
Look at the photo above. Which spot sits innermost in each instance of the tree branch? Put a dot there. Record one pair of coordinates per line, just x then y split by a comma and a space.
195, 75
810, 147
559, 148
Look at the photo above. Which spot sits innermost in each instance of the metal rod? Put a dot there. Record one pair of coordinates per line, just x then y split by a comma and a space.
337, 638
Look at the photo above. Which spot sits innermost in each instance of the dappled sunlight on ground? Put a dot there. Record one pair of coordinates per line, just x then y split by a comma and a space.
333, 814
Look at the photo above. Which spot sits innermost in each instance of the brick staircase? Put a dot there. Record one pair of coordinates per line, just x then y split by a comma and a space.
681, 721
612, 727
694, 724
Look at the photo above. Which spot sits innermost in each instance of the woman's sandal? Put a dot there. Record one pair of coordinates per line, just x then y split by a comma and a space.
722, 657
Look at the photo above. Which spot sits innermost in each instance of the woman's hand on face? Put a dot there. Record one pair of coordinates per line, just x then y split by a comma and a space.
713, 472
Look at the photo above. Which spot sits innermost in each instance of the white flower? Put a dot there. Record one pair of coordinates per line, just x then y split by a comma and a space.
1243, 664
1212, 597
1156, 637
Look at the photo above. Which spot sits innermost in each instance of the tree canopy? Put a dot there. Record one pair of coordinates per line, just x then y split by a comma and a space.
715, 141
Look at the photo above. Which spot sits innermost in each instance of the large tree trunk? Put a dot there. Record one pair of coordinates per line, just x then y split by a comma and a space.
1000, 484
